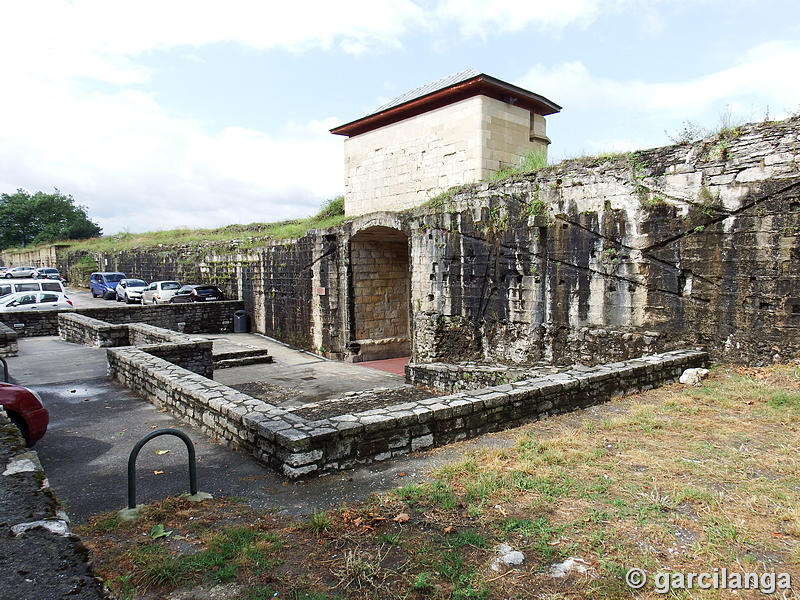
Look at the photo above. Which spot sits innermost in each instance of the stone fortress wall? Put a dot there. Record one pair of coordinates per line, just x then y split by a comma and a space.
593, 260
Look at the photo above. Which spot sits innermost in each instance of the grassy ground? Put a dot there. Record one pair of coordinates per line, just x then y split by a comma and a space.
672, 480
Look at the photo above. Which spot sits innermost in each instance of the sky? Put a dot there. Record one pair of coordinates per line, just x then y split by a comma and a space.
191, 113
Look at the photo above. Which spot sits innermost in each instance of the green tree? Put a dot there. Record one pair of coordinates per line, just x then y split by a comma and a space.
42, 218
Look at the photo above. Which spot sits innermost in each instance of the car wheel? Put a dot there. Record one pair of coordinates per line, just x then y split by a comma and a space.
128, 300
94, 295
9, 275
23, 428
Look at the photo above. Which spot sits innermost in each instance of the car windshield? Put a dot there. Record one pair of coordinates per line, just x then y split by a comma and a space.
170, 285
53, 286
49, 270
136, 283
207, 290
5, 290
114, 277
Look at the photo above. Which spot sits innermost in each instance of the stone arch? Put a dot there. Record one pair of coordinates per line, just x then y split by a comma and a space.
380, 282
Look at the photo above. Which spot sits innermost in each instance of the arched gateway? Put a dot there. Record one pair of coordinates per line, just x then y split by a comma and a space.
381, 294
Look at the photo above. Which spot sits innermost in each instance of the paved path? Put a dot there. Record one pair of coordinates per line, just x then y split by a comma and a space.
94, 424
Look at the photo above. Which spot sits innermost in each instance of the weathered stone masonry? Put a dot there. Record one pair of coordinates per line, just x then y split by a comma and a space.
592, 260
207, 317
298, 447
192, 354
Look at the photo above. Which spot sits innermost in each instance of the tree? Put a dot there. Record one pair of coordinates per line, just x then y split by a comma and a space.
42, 218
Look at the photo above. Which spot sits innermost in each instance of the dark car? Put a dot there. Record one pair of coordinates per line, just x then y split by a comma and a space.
197, 293
47, 273
24, 408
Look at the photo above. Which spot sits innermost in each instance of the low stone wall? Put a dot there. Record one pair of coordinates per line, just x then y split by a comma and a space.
190, 317
41, 557
446, 377
219, 411
298, 447
8, 341
80, 329
195, 355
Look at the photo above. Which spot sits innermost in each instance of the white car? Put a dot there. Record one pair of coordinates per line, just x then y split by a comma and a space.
130, 290
19, 272
159, 292
34, 301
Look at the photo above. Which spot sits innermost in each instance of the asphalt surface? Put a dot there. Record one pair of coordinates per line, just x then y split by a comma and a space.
95, 423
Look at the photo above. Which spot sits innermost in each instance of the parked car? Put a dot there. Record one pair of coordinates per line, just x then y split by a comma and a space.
46, 273
159, 292
197, 293
19, 272
104, 284
34, 301
27, 285
130, 290
26, 410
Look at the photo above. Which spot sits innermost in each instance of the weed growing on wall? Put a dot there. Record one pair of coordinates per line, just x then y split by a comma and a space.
533, 161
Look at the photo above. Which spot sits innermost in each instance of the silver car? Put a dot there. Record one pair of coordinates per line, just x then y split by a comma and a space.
130, 290
159, 292
19, 272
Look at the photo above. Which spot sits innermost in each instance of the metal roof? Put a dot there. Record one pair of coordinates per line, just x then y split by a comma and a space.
426, 89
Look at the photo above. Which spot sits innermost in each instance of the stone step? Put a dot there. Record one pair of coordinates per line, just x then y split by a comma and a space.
240, 361
224, 355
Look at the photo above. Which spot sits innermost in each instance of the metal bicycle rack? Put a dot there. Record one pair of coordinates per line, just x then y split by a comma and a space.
135, 454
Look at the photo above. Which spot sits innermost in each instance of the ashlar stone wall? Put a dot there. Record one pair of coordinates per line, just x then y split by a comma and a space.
381, 293
402, 165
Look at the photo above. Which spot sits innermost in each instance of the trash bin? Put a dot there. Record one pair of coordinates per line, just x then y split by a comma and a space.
240, 322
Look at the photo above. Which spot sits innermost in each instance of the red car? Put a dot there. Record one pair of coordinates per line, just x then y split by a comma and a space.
24, 407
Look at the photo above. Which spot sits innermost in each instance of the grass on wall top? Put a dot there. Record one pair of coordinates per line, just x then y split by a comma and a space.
248, 236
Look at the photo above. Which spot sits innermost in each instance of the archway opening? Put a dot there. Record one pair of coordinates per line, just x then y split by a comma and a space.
381, 295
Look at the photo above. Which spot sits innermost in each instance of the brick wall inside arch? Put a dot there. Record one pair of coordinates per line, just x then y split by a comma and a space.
381, 297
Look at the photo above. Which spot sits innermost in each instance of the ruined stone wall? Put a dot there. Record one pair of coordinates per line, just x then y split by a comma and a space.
196, 317
298, 447
601, 259
8, 341
592, 260
44, 256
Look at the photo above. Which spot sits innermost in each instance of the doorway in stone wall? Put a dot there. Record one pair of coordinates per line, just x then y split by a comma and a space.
381, 298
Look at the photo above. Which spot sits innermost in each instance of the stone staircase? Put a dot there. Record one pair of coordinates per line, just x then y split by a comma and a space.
239, 358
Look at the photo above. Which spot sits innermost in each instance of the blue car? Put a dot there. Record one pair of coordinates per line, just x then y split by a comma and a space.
105, 284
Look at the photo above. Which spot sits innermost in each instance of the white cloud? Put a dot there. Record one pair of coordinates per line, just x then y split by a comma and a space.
138, 167
97, 38
758, 77
492, 16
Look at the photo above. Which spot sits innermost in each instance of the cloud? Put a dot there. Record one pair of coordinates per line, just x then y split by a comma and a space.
97, 39
497, 16
138, 167
757, 77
